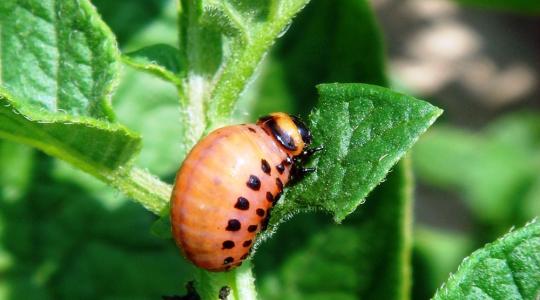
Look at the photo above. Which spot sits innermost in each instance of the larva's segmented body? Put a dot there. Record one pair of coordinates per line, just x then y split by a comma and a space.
227, 186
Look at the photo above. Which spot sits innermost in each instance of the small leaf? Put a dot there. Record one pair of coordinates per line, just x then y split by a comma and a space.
161, 59
509, 268
365, 130
160, 55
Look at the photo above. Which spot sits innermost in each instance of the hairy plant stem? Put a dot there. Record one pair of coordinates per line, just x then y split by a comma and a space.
211, 89
238, 284
144, 188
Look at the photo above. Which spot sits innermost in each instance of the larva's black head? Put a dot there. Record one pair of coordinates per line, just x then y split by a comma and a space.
291, 133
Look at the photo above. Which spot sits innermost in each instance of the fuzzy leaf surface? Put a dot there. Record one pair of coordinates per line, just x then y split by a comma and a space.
57, 56
58, 66
509, 268
365, 130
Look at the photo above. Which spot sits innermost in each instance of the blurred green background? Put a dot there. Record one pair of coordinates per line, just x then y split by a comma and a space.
64, 235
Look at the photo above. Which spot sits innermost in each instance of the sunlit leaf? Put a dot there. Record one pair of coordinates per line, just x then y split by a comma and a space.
365, 130
509, 268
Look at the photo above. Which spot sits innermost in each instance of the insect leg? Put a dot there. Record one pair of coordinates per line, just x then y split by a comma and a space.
308, 153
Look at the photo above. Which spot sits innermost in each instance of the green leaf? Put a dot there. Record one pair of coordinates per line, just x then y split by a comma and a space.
222, 44
57, 56
96, 146
365, 130
522, 6
59, 64
161, 59
350, 261
85, 243
509, 268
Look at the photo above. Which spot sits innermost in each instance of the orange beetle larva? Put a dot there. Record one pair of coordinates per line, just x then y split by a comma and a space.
228, 184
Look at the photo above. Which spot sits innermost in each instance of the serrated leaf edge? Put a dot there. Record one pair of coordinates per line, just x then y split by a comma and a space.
443, 289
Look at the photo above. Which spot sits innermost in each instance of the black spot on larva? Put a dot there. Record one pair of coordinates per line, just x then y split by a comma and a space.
252, 130
224, 292
242, 203
228, 260
252, 228
265, 167
280, 168
246, 243
228, 245
253, 183
279, 184
244, 256
260, 212
233, 225
269, 197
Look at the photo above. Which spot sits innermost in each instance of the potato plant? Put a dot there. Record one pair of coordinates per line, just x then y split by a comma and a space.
127, 116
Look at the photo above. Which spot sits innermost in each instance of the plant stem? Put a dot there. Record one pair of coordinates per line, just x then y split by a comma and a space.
144, 188
239, 282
